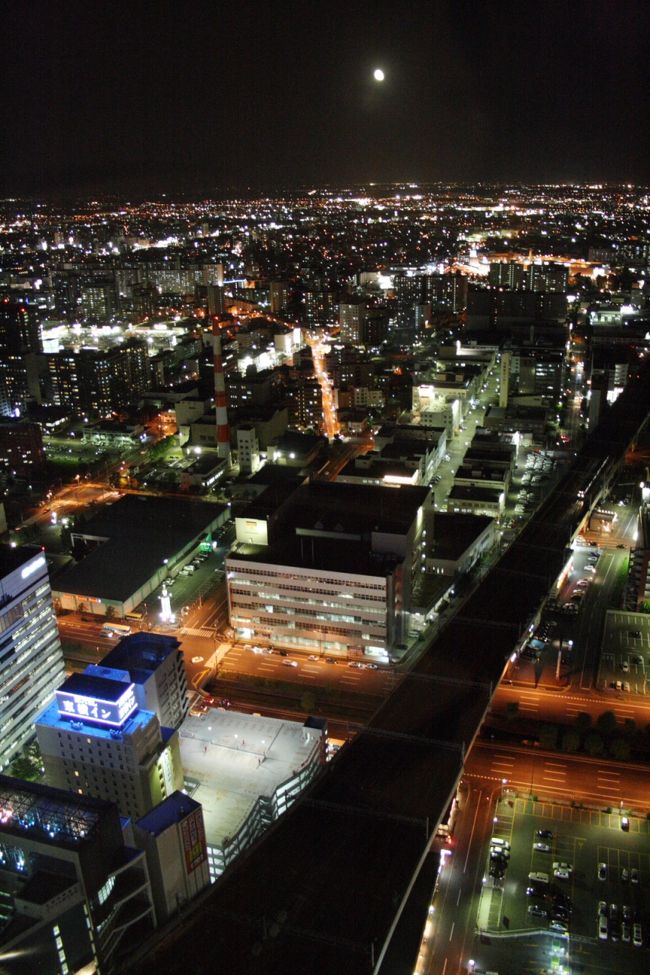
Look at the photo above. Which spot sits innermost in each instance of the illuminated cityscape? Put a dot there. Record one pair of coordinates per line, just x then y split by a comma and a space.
325, 492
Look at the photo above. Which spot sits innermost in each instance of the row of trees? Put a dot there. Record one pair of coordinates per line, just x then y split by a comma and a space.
605, 736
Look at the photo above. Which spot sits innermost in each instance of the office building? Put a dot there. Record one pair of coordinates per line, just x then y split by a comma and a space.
31, 659
96, 741
331, 570
75, 895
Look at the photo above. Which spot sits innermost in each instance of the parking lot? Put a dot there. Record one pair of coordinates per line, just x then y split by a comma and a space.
625, 652
585, 840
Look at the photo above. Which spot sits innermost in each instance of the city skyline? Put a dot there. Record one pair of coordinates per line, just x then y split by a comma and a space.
203, 100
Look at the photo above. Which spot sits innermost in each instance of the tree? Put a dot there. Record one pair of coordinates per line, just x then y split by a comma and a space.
548, 735
583, 721
110, 612
594, 744
629, 726
619, 748
570, 741
606, 722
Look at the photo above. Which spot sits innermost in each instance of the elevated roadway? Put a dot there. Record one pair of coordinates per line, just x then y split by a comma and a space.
323, 891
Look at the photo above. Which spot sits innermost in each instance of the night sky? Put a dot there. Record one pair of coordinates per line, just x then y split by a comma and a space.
202, 97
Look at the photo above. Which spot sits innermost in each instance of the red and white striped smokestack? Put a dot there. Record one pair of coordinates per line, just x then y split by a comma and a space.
223, 430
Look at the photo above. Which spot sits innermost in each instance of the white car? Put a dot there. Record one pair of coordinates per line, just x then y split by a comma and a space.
197, 660
562, 870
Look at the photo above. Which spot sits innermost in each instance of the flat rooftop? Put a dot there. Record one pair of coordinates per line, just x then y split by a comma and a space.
168, 812
235, 758
139, 534
140, 654
464, 492
454, 533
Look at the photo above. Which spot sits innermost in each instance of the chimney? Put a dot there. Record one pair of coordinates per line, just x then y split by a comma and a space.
223, 430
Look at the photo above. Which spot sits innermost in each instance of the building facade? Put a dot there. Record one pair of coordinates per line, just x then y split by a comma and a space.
31, 658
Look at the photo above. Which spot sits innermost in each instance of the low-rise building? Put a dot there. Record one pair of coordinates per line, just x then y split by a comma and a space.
132, 547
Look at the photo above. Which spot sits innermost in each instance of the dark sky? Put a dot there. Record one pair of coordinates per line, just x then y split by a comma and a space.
200, 96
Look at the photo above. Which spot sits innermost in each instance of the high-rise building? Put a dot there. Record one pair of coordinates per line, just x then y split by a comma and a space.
92, 381
21, 447
278, 296
99, 299
75, 896
96, 741
31, 659
19, 343
351, 315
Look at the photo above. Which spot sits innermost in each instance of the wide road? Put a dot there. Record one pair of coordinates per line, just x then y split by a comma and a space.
558, 775
453, 918
563, 706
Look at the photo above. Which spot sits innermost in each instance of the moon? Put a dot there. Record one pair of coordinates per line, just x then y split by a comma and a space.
378, 74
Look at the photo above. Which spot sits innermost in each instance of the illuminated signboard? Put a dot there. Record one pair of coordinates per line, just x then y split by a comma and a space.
32, 567
85, 708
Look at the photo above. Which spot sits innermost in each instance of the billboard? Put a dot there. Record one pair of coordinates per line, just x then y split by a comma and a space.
85, 708
193, 839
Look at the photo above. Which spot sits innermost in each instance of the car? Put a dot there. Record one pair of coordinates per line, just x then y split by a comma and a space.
635, 633
634, 875
538, 877
257, 650
603, 927
545, 834
625, 824
283, 653
312, 656
537, 910
602, 871
625, 667
562, 870
625, 931
356, 665
637, 935
542, 847
602, 908
625, 875
289, 663
330, 660
626, 686
372, 667
626, 911
197, 660
621, 546
499, 841
558, 925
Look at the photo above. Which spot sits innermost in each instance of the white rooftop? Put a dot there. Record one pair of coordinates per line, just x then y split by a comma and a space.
237, 757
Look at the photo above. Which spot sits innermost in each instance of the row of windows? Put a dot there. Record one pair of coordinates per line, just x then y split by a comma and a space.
297, 578
305, 588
